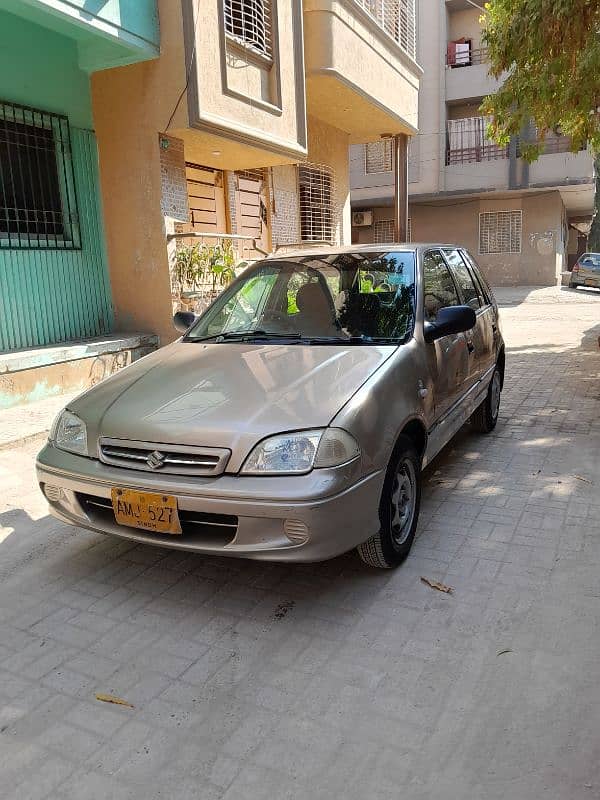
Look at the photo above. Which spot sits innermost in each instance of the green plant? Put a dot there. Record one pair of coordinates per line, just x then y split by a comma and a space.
195, 264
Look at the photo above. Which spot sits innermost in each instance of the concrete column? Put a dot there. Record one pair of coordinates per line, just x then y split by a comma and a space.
400, 187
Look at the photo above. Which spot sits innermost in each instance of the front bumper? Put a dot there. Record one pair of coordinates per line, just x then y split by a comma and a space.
289, 518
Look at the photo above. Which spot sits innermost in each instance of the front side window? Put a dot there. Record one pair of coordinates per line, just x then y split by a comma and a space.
467, 286
37, 191
439, 289
249, 21
356, 298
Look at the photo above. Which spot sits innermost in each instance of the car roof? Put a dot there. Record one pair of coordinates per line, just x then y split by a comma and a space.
324, 250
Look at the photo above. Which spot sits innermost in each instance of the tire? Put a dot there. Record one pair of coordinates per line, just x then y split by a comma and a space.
398, 509
573, 285
485, 416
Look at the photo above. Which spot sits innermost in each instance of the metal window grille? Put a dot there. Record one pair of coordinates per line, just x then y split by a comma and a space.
378, 156
37, 189
500, 232
249, 21
383, 231
316, 190
397, 18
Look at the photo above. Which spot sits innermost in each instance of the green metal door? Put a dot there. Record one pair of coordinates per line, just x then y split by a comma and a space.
51, 295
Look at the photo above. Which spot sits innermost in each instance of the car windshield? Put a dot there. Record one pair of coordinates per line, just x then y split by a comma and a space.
590, 260
349, 298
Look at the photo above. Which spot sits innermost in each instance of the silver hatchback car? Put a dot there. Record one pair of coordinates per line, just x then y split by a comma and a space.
292, 420
586, 272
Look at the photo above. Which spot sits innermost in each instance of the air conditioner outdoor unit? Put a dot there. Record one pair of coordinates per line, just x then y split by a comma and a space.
362, 218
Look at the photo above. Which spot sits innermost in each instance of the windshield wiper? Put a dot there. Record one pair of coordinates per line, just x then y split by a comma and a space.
353, 340
240, 336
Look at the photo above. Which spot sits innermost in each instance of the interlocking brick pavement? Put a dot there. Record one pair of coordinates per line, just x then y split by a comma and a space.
270, 681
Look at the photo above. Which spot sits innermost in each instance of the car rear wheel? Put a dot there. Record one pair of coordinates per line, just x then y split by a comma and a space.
485, 417
398, 510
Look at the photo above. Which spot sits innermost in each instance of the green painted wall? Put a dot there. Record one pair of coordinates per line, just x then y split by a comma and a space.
49, 296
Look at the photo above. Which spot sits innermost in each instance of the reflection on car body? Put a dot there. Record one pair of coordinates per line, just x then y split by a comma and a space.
292, 420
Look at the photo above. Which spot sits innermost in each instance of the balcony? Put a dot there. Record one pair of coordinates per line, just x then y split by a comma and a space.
467, 72
361, 75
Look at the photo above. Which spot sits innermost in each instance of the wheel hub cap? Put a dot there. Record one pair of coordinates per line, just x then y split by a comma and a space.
403, 502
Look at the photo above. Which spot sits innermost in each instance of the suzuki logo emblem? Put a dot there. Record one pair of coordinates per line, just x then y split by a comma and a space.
155, 460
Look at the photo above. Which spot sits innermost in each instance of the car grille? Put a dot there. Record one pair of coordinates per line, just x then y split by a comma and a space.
167, 458
196, 526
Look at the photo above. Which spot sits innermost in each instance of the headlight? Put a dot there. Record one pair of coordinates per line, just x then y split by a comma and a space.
295, 453
69, 433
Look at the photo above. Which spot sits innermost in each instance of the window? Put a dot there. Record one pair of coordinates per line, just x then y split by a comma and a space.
468, 288
500, 232
479, 278
316, 188
438, 286
378, 156
249, 21
383, 231
37, 190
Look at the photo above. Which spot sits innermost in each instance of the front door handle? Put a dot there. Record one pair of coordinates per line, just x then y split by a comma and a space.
470, 346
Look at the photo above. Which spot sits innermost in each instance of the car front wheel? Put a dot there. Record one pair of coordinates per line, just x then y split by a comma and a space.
398, 510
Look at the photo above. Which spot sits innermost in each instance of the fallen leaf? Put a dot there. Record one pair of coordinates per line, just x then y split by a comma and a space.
585, 480
502, 652
110, 698
437, 585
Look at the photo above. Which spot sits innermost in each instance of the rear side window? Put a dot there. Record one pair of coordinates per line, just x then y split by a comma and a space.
468, 288
480, 280
438, 286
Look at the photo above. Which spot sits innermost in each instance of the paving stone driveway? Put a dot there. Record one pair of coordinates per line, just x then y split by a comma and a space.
333, 681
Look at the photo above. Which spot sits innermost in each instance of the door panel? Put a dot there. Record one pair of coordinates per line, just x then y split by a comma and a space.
480, 339
251, 204
447, 358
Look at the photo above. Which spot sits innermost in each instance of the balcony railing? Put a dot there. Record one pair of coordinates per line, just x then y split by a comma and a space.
471, 155
554, 144
396, 18
467, 58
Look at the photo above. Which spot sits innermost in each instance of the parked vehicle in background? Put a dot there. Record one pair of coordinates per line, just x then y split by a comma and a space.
586, 272
294, 417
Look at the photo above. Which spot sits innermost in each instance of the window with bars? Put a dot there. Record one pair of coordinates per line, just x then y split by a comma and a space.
397, 18
500, 232
383, 231
37, 188
249, 21
378, 156
317, 215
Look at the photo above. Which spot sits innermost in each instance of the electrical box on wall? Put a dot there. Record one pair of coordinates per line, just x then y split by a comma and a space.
362, 219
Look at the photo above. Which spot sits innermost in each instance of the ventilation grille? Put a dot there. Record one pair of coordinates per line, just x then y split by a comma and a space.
249, 22
378, 156
500, 232
317, 216
383, 231
164, 458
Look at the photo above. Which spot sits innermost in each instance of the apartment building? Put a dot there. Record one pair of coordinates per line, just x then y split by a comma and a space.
525, 223
242, 127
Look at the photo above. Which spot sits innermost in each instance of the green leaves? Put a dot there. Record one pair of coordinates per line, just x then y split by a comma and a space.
198, 264
548, 51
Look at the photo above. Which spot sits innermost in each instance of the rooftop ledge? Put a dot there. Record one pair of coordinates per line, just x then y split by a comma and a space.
35, 357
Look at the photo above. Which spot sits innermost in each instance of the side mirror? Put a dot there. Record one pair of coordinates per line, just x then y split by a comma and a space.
183, 320
451, 319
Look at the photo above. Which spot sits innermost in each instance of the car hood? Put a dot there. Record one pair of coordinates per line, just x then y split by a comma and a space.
226, 395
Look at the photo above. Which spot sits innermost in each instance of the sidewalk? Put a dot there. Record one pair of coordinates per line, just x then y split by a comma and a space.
30, 421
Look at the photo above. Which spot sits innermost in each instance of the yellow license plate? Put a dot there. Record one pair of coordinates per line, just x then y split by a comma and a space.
152, 512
